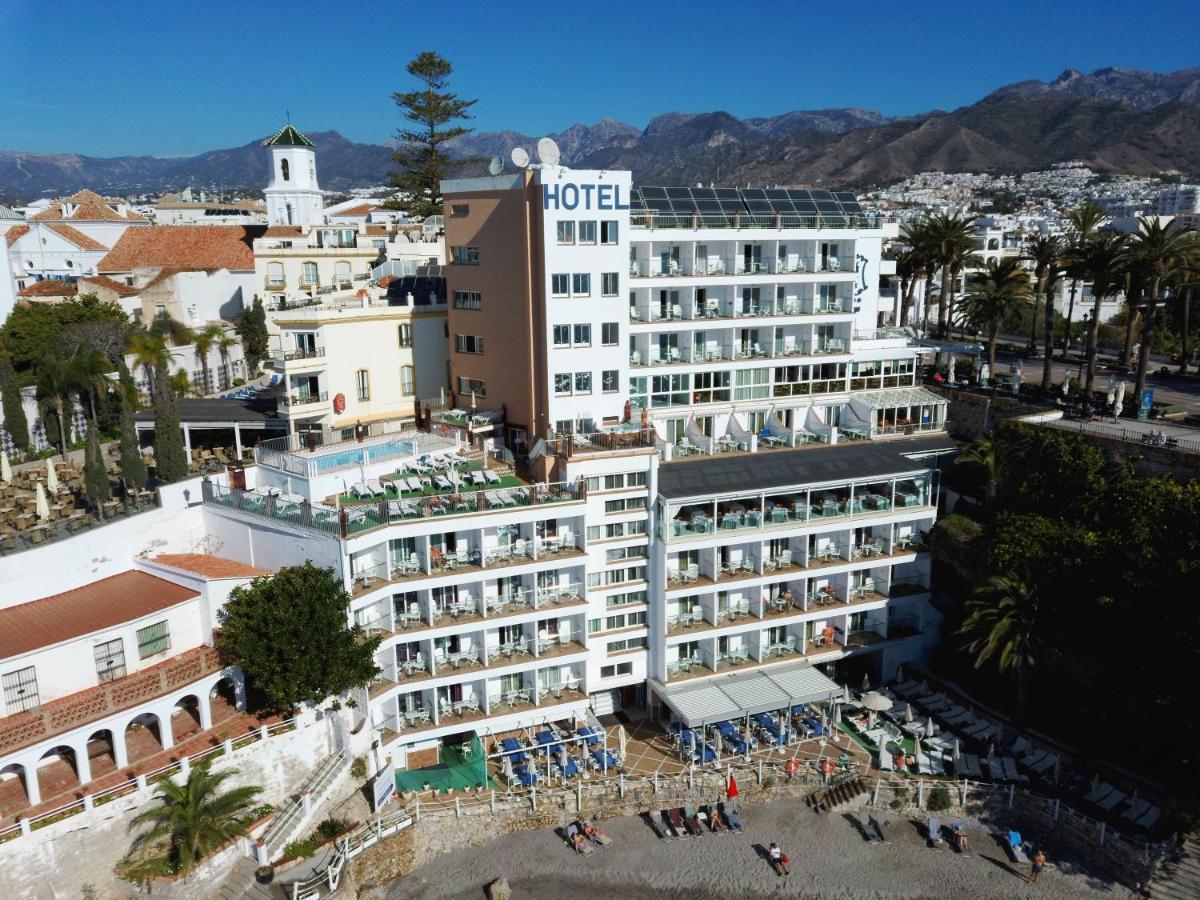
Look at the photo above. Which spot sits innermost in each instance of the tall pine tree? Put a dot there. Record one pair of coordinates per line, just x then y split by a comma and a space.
133, 467
14, 413
95, 478
169, 454
421, 156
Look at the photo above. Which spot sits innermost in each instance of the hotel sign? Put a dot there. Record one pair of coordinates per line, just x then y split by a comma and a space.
583, 196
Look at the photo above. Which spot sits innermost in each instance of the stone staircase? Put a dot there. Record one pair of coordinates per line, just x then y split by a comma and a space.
1178, 878
840, 794
240, 884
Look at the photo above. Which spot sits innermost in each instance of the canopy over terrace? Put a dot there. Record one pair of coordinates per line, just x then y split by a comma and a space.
906, 410
740, 695
252, 420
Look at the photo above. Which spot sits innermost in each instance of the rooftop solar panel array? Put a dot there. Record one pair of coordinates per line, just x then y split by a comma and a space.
748, 201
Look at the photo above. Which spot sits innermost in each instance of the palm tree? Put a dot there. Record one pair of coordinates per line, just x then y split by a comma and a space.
148, 349
1081, 225
195, 817
1164, 250
917, 259
1045, 252
1100, 259
205, 339
224, 343
91, 368
56, 382
1003, 291
990, 454
1004, 620
951, 240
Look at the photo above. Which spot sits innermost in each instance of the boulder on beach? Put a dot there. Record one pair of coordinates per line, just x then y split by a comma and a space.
499, 890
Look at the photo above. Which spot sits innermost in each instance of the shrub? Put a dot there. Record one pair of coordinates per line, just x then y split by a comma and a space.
900, 798
939, 799
331, 828
358, 768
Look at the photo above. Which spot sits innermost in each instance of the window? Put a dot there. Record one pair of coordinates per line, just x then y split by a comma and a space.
560, 285
566, 232
583, 382
468, 343
467, 385
625, 668
610, 334
362, 378
616, 530
20, 691
465, 256
609, 284
110, 660
616, 482
562, 383
630, 504
616, 576
587, 232
153, 639
629, 620
458, 210
405, 334
583, 335
581, 284
608, 232
285, 170
562, 335
636, 643
619, 554
407, 381
308, 273
626, 599
609, 379
341, 273
467, 299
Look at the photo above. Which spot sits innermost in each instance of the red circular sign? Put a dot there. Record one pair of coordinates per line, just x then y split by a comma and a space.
339, 403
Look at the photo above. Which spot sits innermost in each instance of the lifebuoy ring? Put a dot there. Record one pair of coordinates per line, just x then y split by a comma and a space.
792, 767
828, 766
339, 403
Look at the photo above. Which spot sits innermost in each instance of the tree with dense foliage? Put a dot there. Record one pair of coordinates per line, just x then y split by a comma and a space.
1082, 225
1003, 291
421, 155
288, 632
14, 413
32, 332
1004, 623
95, 475
1100, 259
170, 456
252, 329
915, 263
56, 382
205, 340
133, 467
951, 240
196, 817
1045, 252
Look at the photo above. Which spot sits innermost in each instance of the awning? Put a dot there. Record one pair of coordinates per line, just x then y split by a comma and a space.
899, 397
739, 695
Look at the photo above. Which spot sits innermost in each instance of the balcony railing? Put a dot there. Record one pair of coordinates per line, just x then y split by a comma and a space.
306, 399
645, 219
299, 353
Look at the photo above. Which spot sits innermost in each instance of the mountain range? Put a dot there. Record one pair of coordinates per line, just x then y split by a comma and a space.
1115, 120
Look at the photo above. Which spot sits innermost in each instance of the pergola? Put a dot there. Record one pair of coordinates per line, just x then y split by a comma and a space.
238, 417
900, 410
739, 695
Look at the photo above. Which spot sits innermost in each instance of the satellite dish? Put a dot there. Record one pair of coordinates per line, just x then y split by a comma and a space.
547, 151
520, 157
496, 166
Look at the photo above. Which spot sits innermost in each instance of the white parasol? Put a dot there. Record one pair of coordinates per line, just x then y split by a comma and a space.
472, 400
43, 506
908, 713
51, 476
957, 750
866, 682
1066, 385
875, 702
1120, 401
950, 370
930, 728
5, 468
506, 767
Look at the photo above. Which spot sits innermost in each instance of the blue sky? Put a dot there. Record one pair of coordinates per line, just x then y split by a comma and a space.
179, 77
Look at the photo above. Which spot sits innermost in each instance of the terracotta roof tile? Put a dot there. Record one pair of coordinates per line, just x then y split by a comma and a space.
77, 237
363, 209
284, 231
94, 607
119, 287
89, 206
208, 567
49, 288
185, 247
376, 228
15, 233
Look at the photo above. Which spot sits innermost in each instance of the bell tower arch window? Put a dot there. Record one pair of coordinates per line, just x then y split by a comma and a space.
284, 170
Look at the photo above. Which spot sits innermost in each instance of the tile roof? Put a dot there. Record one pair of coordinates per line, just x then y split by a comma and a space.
49, 288
94, 607
184, 247
15, 233
118, 287
76, 237
363, 209
289, 136
284, 231
89, 206
208, 567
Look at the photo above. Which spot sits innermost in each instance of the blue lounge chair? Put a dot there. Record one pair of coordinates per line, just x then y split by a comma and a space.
814, 725
546, 737
590, 735
604, 759
705, 754
1016, 847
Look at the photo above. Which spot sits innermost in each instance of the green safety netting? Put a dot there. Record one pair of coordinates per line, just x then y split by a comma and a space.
463, 765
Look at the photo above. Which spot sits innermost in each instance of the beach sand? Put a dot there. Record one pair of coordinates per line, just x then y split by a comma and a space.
829, 857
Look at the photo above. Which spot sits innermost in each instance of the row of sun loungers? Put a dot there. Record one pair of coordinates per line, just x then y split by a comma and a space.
695, 821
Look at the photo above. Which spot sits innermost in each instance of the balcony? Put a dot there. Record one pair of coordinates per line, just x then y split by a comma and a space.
719, 309
294, 401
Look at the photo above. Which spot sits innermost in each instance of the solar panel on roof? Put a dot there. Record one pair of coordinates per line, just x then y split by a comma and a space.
821, 195
658, 204
852, 207
829, 206
844, 196
799, 195
753, 194
776, 193
806, 207
649, 192
678, 193
708, 206
704, 194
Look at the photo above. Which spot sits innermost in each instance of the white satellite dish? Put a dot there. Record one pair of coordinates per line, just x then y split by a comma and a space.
520, 157
547, 152
496, 166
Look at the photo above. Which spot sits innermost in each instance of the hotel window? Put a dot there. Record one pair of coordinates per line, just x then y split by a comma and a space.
608, 232
467, 300
609, 379
362, 380
583, 335
610, 283
110, 660
583, 382
405, 334
562, 383
625, 668
587, 232
458, 210
581, 284
468, 343
610, 334
627, 644
562, 335
560, 285
566, 232
467, 385
341, 273
465, 256
20, 691
407, 381
275, 274
308, 273
153, 639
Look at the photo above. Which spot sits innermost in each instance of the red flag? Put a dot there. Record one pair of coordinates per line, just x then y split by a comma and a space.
733, 791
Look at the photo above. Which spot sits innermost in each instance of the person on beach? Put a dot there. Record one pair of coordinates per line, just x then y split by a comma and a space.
1039, 863
779, 860
593, 833
960, 837
715, 822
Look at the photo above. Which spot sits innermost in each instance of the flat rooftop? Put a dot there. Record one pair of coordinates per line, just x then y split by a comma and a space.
751, 472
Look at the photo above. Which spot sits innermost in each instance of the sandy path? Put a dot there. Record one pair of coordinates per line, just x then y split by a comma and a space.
829, 859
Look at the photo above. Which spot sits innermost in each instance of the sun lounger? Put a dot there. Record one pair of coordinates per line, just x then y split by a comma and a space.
660, 825
1016, 847
939, 742
975, 770
996, 769
1111, 801
477, 478
375, 486
1032, 760
442, 483
705, 754
1049, 761
603, 758
590, 735
960, 716
936, 703
692, 821
1010, 770
584, 846
881, 828
675, 818
1136, 810
491, 477
961, 768
908, 688
413, 484
989, 732
923, 766
1099, 792
1150, 818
